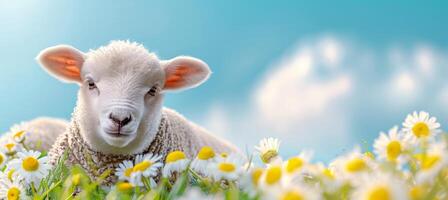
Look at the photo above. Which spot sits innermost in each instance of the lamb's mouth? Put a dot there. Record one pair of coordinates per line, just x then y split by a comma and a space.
117, 134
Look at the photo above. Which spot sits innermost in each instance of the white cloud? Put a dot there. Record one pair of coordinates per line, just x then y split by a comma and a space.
291, 92
404, 83
425, 60
331, 51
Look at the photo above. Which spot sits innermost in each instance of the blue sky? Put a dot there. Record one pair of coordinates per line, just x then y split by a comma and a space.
322, 76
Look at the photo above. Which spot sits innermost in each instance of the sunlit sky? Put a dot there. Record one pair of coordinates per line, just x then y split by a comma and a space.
321, 76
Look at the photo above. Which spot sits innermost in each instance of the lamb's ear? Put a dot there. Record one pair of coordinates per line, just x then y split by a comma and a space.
63, 62
184, 72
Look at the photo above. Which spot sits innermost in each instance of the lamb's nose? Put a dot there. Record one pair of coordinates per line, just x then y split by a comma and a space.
120, 121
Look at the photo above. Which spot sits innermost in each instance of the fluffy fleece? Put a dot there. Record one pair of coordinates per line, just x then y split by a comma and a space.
174, 133
41, 132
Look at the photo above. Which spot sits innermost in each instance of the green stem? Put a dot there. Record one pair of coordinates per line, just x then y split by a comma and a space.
52, 188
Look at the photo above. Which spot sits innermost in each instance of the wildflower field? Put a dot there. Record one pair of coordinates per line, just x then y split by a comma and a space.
407, 162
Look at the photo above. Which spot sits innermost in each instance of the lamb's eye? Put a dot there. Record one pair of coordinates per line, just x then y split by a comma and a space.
153, 91
91, 85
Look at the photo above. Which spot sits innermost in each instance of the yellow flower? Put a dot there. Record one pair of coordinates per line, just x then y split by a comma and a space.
76, 179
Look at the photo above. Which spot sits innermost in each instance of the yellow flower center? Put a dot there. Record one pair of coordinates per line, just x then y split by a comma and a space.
380, 193
30, 164
175, 156
13, 193
1, 159
273, 175
19, 134
416, 192
429, 161
128, 172
256, 174
141, 166
328, 173
268, 155
294, 164
393, 150
206, 153
124, 186
356, 165
421, 129
10, 146
10, 173
224, 155
226, 167
76, 179
292, 195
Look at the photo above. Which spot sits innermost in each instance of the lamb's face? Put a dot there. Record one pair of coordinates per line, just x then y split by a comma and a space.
121, 90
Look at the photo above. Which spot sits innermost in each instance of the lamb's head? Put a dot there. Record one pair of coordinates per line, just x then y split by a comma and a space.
121, 90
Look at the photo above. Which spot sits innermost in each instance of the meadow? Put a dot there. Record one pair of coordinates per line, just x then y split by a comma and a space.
406, 162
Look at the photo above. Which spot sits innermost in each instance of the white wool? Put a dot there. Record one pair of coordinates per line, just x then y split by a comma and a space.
41, 133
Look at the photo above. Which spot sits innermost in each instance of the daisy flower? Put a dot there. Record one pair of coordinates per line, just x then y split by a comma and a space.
421, 125
146, 166
18, 133
321, 171
229, 168
391, 147
432, 162
380, 186
30, 167
351, 165
176, 161
326, 175
296, 191
10, 147
205, 156
255, 175
11, 189
19, 136
268, 149
272, 178
11, 173
297, 163
124, 170
418, 192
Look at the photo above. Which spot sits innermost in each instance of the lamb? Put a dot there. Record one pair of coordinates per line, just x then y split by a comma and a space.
119, 112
